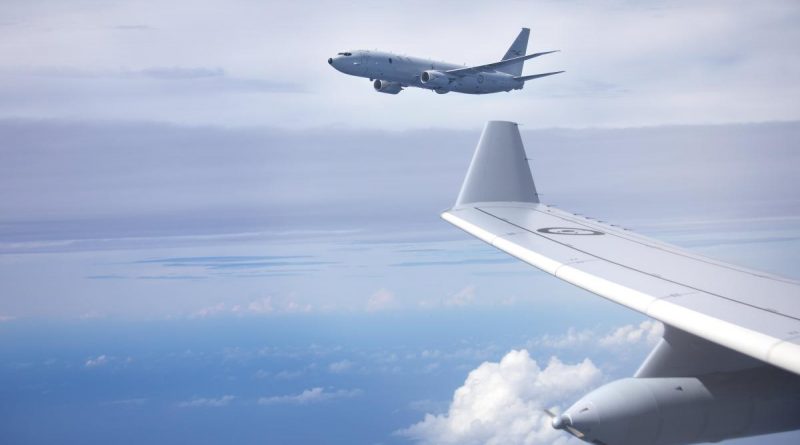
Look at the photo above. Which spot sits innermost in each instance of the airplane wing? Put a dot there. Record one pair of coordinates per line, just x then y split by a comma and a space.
754, 313
495, 65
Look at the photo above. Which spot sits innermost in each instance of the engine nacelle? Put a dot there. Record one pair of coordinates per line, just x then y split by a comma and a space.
685, 410
384, 86
434, 78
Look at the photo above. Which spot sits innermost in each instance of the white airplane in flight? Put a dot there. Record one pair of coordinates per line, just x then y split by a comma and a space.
729, 363
391, 73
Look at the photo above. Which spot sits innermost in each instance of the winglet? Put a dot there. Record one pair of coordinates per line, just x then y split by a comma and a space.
499, 170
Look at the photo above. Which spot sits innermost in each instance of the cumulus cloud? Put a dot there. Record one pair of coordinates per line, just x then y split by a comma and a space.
503, 402
127, 402
340, 366
100, 360
646, 334
463, 297
380, 300
572, 338
202, 402
308, 396
209, 311
258, 306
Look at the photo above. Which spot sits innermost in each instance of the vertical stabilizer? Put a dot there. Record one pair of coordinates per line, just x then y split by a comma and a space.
499, 170
517, 49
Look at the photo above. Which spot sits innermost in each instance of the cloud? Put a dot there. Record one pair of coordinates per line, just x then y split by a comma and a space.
255, 307
657, 76
260, 306
127, 402
100, 360
572, 338
133, 28
463, 297
381, 300
209, 311
502, 403
313, 395
648, 332
468, 261
645, 334
340, 366
202, 402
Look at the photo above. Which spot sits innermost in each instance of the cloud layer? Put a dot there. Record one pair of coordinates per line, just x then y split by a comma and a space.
308, 396
732, 61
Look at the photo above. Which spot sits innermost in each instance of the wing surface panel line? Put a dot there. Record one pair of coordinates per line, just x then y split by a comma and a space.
663, 248
633, 268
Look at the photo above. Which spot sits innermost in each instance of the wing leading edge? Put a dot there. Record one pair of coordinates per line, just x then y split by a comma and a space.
750, 312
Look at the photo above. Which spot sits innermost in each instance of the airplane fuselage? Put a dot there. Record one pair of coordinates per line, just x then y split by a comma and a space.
390, 71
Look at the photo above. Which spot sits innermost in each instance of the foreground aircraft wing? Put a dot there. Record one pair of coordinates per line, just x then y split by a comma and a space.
495, 65
754, 313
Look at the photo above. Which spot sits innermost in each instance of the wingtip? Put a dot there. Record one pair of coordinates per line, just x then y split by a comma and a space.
499, 170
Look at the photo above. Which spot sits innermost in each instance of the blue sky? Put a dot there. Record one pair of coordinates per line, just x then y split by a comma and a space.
207, 234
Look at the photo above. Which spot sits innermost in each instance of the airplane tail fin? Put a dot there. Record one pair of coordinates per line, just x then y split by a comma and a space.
517, 49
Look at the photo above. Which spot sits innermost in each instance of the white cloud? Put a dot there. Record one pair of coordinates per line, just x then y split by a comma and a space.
313, 395
202, 402
208, 311
463, 297
127, 402
381, 300
100, 360
502, 403
711, 70
259, 306
340, 366
648, 332
572, 338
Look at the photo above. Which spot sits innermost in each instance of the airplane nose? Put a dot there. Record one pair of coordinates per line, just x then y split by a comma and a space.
330, 61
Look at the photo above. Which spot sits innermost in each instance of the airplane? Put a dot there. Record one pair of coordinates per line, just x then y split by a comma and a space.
728, 364
390, 73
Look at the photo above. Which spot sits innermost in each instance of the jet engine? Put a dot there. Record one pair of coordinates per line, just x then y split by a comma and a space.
384, 86
683, 410
434, 78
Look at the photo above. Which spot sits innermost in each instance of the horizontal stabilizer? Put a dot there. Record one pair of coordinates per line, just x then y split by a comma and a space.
495, 65
536, 76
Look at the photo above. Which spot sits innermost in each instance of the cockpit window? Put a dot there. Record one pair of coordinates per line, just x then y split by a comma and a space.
345, 54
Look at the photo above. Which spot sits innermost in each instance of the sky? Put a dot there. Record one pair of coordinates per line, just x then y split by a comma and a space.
209, 235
